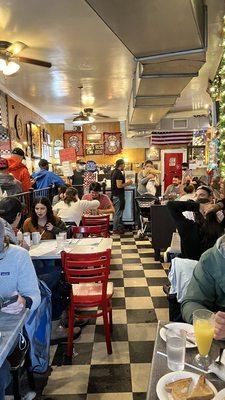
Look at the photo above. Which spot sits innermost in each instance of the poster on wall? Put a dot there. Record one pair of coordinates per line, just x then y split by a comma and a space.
36, 140
74, 140
112, 143
94, 149
67, 155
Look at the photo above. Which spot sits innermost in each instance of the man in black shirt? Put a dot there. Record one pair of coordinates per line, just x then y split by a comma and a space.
78, 177
118, 185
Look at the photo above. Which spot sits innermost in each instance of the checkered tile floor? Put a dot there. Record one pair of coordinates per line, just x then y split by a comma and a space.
138, 303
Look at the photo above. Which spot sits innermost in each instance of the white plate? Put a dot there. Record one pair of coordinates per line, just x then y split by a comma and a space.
174, 376
220, 395
176, 327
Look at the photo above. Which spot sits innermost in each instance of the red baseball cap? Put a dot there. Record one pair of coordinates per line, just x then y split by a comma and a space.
4, 163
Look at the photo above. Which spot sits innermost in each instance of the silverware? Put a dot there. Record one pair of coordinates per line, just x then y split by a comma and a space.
177, 333
218, 362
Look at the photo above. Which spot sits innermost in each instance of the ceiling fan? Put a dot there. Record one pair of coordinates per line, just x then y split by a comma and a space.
86, 116
9, 57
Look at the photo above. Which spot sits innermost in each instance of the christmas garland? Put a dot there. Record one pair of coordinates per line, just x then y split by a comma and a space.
217, 91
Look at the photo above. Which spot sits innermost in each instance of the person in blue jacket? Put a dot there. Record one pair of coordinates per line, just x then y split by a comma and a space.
45, 178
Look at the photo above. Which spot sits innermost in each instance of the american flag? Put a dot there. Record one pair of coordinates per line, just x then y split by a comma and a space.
165, 138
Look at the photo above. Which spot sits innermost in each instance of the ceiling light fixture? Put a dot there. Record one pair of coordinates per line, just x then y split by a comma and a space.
81, 120
10, 68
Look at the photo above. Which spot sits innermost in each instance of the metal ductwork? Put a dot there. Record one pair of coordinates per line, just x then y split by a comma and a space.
168, 40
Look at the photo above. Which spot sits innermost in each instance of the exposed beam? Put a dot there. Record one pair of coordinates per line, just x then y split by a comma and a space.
157, 96
172, 75
170, 54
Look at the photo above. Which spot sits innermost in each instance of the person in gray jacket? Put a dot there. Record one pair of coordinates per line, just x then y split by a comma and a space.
8, 183
17, 276
147, 174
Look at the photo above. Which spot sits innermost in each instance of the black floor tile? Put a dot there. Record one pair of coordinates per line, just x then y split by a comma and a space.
160, 302
116, 246
129, 251
116, 240
113, 256
131, 260
152, 266
147, 255
133, 274
118, 303
136, 291
141, 316
117, 282
157, 281
141, 352
83, 355
139, 396
110, 379
131, 243
119, 333
144, 246
116, 267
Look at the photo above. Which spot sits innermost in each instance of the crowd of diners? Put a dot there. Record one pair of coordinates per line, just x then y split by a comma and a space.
196, 207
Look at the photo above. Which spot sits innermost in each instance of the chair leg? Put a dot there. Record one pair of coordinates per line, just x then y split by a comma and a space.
70, 331
107, 331
111, 321
16, 384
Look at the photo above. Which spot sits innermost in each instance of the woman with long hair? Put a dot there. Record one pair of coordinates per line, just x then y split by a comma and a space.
43, 220
71, 209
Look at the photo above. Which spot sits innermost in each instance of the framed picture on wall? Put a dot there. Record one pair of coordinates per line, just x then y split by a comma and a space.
153, 153
94, 137
36, 140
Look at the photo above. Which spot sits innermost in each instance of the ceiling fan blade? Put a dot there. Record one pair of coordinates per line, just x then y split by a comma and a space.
16, 47
101, 115
40, 63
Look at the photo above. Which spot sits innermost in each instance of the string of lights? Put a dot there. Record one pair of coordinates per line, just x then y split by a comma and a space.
217, 91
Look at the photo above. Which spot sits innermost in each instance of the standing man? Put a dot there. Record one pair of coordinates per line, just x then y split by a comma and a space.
18, 169
45, 178
8, 183
118, 185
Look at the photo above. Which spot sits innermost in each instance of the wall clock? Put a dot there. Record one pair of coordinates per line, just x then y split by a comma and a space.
93, 128
18, 126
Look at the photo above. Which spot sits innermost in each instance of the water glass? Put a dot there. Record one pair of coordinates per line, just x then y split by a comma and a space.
64, 235
26, 238
175, 349
60, 241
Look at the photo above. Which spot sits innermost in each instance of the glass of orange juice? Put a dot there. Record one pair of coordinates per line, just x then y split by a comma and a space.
203, 321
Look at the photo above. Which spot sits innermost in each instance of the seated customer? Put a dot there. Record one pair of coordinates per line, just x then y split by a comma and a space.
10, 211
207, 287
43, 220
71, 208
172, 191
200, 230
189, 193
17, 277
106, 206
60, 195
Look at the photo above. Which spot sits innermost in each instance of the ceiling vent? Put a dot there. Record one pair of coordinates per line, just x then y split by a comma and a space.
180, 123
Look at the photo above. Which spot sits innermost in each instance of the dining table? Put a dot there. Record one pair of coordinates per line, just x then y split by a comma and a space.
159, 366
50, 250
10, 327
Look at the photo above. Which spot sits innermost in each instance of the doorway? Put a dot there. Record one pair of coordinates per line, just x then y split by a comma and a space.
172, 160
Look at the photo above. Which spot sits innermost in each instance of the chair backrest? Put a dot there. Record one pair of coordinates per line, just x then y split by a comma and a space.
95, 220
87, 268
98, 230
161, 232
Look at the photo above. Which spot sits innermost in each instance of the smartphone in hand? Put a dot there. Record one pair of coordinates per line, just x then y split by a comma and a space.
9, 300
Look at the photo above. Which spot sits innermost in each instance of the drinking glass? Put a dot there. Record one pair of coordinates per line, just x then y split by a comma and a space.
60, 242
175, 349
63, 234
203, 321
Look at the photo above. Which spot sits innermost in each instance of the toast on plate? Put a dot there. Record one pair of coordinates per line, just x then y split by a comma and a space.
179, 389
201, 391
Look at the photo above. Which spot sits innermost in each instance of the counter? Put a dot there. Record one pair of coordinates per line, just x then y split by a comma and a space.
129, 213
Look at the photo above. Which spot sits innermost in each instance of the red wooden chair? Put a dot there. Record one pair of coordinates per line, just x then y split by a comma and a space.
97, 220
88, 274
99, 230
